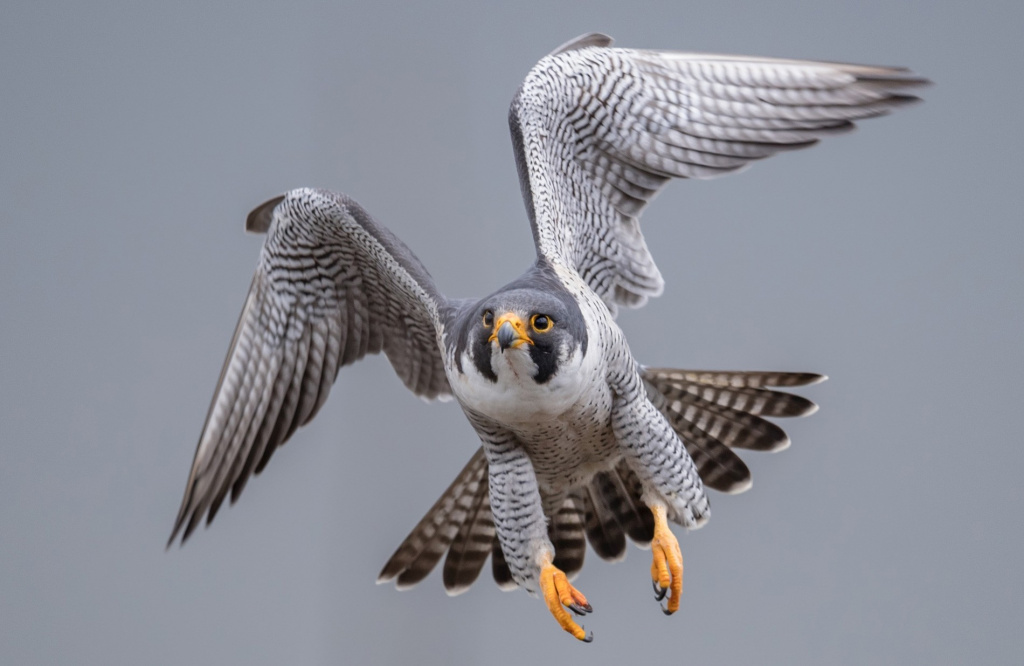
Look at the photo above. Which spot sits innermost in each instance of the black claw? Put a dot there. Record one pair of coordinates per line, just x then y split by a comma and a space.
581, 610
659, 591
589, 637
665, 610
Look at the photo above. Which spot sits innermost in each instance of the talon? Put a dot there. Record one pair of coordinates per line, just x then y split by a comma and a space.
659, 591
667, 564
581, 610
559, 594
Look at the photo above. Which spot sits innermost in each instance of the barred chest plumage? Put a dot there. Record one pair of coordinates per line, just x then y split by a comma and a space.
563, 421
563, 424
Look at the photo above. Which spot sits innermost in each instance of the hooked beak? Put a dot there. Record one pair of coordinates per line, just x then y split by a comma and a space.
510, 331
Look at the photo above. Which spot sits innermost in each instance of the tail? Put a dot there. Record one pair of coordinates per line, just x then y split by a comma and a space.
460, 522
462, 512
713, 413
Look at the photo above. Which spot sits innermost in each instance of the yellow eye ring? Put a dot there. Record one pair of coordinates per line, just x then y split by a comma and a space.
541, 323
488, 319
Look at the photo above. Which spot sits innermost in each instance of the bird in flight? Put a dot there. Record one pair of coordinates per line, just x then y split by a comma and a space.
580, 442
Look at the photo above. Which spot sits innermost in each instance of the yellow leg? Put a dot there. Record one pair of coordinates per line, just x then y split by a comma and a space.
559, 594
667, 567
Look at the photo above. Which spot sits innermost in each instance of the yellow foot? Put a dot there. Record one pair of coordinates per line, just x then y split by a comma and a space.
559, 594
667, 567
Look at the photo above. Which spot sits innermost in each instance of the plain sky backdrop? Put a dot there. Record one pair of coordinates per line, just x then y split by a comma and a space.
137, 136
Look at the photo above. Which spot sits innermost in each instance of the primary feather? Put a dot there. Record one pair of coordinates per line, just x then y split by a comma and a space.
598, 131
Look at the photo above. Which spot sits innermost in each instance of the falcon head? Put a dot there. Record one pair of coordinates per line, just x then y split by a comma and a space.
526, 333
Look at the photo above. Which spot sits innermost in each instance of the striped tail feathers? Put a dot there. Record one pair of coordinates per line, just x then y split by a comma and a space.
714, 412
472, 544
615, 510
499, 569
633, 514
604, 532
717, 465
460, 522
602, 513
566, 531
727, 379
735, 429
419, 553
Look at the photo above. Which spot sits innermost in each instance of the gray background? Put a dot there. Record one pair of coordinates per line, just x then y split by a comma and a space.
135, 140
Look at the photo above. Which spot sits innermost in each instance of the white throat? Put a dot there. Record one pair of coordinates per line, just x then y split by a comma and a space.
516, 398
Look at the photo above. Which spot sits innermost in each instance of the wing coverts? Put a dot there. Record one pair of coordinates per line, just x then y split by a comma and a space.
331, 286
598, 131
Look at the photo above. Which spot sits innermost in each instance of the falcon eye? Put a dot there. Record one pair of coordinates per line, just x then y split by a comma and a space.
541, 323
488, 319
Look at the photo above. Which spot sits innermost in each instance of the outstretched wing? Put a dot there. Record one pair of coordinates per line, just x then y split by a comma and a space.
331, 286
597, 132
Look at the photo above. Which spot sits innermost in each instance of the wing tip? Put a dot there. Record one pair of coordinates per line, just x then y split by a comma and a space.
397, 577
402, 586
457, 589
739, 487
583, 41
170, 541
899, 100
892, 77
780, 445
389, 572
618, 556
179, 522
258, 221
507, 586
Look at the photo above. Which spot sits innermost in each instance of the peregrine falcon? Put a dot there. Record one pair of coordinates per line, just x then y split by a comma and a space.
579, 440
